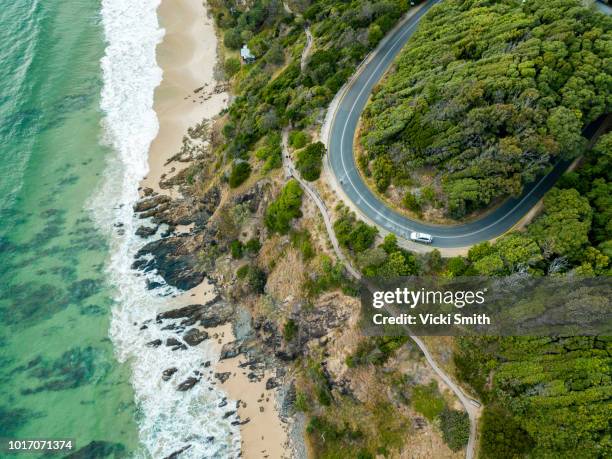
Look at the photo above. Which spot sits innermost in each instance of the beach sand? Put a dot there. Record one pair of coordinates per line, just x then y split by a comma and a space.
188, 94
187, 56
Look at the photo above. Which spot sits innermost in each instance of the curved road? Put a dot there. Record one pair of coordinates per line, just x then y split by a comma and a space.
342, 162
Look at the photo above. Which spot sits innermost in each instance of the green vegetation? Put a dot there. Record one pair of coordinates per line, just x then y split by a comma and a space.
252, 246
375, 350
455, 426
273, 92
328, 276
387, 260
281, 212
290, 329
240, 172
426, 399
488, 94
298, 139
309, 161
231, 66
352, 233
301, 240
548, 396
237, 249
271, 153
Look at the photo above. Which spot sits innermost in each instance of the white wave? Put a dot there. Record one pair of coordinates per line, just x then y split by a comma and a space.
168, 419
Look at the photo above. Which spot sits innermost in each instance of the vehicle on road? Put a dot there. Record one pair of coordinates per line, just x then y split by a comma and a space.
424, 238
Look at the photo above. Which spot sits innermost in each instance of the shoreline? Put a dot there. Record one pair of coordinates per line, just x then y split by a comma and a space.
188, 94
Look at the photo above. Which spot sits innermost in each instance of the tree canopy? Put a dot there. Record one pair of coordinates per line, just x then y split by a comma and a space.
487, 95
285, 208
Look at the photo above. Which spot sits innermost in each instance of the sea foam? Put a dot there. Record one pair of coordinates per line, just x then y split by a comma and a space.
168, 419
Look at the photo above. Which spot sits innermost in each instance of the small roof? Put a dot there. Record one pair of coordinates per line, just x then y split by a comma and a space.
245, 53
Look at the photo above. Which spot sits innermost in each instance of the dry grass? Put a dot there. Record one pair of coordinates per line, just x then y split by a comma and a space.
288, 276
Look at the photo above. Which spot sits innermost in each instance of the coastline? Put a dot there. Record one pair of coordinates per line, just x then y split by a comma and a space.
189, 91
188, 94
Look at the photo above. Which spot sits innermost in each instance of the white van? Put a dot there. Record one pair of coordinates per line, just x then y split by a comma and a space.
421, 237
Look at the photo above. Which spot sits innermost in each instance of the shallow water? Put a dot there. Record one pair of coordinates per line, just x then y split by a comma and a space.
59, 376
76, 121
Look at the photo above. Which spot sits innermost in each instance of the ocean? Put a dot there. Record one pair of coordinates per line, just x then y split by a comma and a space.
77, 80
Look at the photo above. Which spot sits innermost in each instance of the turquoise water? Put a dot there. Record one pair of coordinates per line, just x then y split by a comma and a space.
58, 373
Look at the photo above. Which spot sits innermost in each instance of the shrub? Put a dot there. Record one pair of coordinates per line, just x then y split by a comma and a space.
455, 426
428, 401
231, 66
290, 330
285, 208
411, 202
301, 241
256, 279
242, 271
236, 248
232, 39
252, 246
240, 172
298, 139
309, 161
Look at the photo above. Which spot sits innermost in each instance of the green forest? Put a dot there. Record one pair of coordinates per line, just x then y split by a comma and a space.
487, 95
273, 91
484, 98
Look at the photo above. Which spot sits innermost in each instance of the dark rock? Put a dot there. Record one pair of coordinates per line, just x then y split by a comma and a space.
211, 314
271, 383
167, 374
146, 231
187, 384
176, 454
223, 403
149, 203
193, 336
154, 343
230, 350
210, 439
173, 342
152, 285
241, 423
174, 258
228, 414
223, 376
207, 364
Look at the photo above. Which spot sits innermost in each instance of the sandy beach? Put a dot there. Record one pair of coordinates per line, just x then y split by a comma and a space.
187, 95
188, 92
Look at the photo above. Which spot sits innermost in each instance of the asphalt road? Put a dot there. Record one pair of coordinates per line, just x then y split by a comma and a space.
343, 167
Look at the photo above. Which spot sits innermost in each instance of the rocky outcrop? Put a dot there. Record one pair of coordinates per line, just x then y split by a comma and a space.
212, 314
174, 258
193, 336
231, 350
188, 384
167, 373
146, 231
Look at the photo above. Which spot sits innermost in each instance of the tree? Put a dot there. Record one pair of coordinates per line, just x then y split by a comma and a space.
375, 34
240, 172
285, 208
232, 39
231, 66
309, 161
481, 110
382, 171
565, 223
298, 139
411, 202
